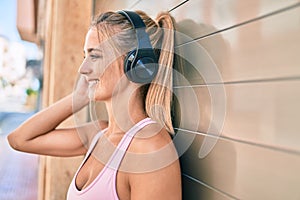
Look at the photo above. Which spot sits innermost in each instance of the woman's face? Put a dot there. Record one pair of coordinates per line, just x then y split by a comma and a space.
101, 67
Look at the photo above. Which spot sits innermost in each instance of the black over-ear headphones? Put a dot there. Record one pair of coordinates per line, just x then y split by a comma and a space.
141, 64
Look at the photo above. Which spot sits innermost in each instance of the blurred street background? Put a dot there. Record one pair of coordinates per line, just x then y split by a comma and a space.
20, 78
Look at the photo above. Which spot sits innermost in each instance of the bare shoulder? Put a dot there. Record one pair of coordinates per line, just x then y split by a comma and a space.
155, 172
149, 139
151, 150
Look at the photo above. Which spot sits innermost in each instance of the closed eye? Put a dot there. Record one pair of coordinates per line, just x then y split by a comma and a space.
95, 56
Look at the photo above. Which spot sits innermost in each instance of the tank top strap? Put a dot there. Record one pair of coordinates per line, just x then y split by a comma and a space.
116, 158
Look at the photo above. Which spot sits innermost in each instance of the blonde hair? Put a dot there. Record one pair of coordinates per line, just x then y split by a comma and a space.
158, 95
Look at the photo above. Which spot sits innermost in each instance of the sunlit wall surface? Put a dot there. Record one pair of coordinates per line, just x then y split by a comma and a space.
240, 138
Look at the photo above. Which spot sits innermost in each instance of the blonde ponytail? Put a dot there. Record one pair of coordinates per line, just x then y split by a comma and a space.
159, 95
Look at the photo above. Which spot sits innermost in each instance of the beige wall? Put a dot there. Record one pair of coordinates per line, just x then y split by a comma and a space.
239, 111
65, 23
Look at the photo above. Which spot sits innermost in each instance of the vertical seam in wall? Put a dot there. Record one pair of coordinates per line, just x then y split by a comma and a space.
52, 53
42, 180
93, 4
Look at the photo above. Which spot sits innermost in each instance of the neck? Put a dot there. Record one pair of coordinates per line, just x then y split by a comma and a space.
125, 109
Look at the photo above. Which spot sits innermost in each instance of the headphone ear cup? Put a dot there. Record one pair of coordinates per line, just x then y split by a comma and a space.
140, 69
145, 70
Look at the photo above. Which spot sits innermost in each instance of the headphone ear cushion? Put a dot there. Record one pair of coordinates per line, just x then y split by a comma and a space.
129, 60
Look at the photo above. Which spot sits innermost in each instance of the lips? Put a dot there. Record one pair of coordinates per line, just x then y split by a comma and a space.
93, 82
92, 87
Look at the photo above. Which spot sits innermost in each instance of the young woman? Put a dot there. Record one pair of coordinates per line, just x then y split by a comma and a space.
132, 155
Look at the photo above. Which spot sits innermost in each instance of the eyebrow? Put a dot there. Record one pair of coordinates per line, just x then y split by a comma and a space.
89, 50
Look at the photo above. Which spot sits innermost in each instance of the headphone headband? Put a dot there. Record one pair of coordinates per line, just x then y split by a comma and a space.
140, 28
134, 18
140, 65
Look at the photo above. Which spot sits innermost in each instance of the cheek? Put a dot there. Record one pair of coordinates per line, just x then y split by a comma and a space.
109, 80
99, 68
103, 92
112, 74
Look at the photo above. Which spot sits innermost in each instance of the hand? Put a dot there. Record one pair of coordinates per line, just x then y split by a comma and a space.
80, 93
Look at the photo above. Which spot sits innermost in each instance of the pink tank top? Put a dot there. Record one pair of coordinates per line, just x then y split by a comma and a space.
104, 185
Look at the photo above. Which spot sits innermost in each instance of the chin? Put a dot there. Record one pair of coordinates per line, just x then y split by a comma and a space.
102, 97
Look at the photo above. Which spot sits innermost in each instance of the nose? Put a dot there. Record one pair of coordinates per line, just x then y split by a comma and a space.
85, 68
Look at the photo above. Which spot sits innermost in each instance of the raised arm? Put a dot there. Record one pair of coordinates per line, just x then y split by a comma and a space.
39, 134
